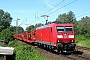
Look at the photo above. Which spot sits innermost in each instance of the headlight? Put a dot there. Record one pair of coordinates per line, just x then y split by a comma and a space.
59, 36
59, 41
72, 41
71, 36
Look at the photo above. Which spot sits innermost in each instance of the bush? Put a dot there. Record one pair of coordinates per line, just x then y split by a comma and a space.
25, 52
79, 38
6, 35
82, 41
87, 35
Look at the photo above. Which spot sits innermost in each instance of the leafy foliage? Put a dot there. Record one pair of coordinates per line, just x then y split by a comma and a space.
19, 29
25, 52
83, 26
66, 18
30, 28
6, 35
5, 20
82, 41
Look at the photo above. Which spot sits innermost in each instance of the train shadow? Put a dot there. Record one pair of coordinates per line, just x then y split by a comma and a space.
74, 52
78, 52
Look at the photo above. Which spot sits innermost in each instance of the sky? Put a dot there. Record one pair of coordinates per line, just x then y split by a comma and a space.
30, 11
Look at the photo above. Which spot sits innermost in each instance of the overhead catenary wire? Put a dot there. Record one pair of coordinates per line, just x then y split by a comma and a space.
38, 18
57, 9
22, 22
82, 14
62, 7
42, 8
45, 6
55, 6
38, 12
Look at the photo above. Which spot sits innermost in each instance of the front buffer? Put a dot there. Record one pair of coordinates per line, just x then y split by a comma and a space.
64, 47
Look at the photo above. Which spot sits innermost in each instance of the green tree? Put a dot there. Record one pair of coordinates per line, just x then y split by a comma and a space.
83, 26
30, 28
71, 17
6, 35
5, 20
62, 18
38, 25
13, 29
66, 18
20, 29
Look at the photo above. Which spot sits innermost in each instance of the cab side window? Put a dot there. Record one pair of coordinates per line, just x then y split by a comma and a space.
34, 36
29, 36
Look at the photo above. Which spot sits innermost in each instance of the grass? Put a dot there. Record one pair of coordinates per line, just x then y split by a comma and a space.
25, 52
83, 41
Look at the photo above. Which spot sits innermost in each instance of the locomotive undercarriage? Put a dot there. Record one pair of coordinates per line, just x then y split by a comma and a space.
64, 47
60, 48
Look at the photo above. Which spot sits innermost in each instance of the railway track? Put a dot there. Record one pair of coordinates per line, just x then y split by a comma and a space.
77, 55
81, 53
84, 48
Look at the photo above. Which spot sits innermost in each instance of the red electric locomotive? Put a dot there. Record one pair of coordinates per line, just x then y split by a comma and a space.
54, 36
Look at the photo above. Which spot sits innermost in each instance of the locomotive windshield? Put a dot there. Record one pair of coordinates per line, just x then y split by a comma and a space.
68, 28
60, 28
64, 28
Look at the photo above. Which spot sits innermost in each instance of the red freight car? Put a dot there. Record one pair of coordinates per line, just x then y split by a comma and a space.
57, 36
26, 36
18, 36
30, 37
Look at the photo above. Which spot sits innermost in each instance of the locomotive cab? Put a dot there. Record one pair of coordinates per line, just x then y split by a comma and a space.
65, 38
